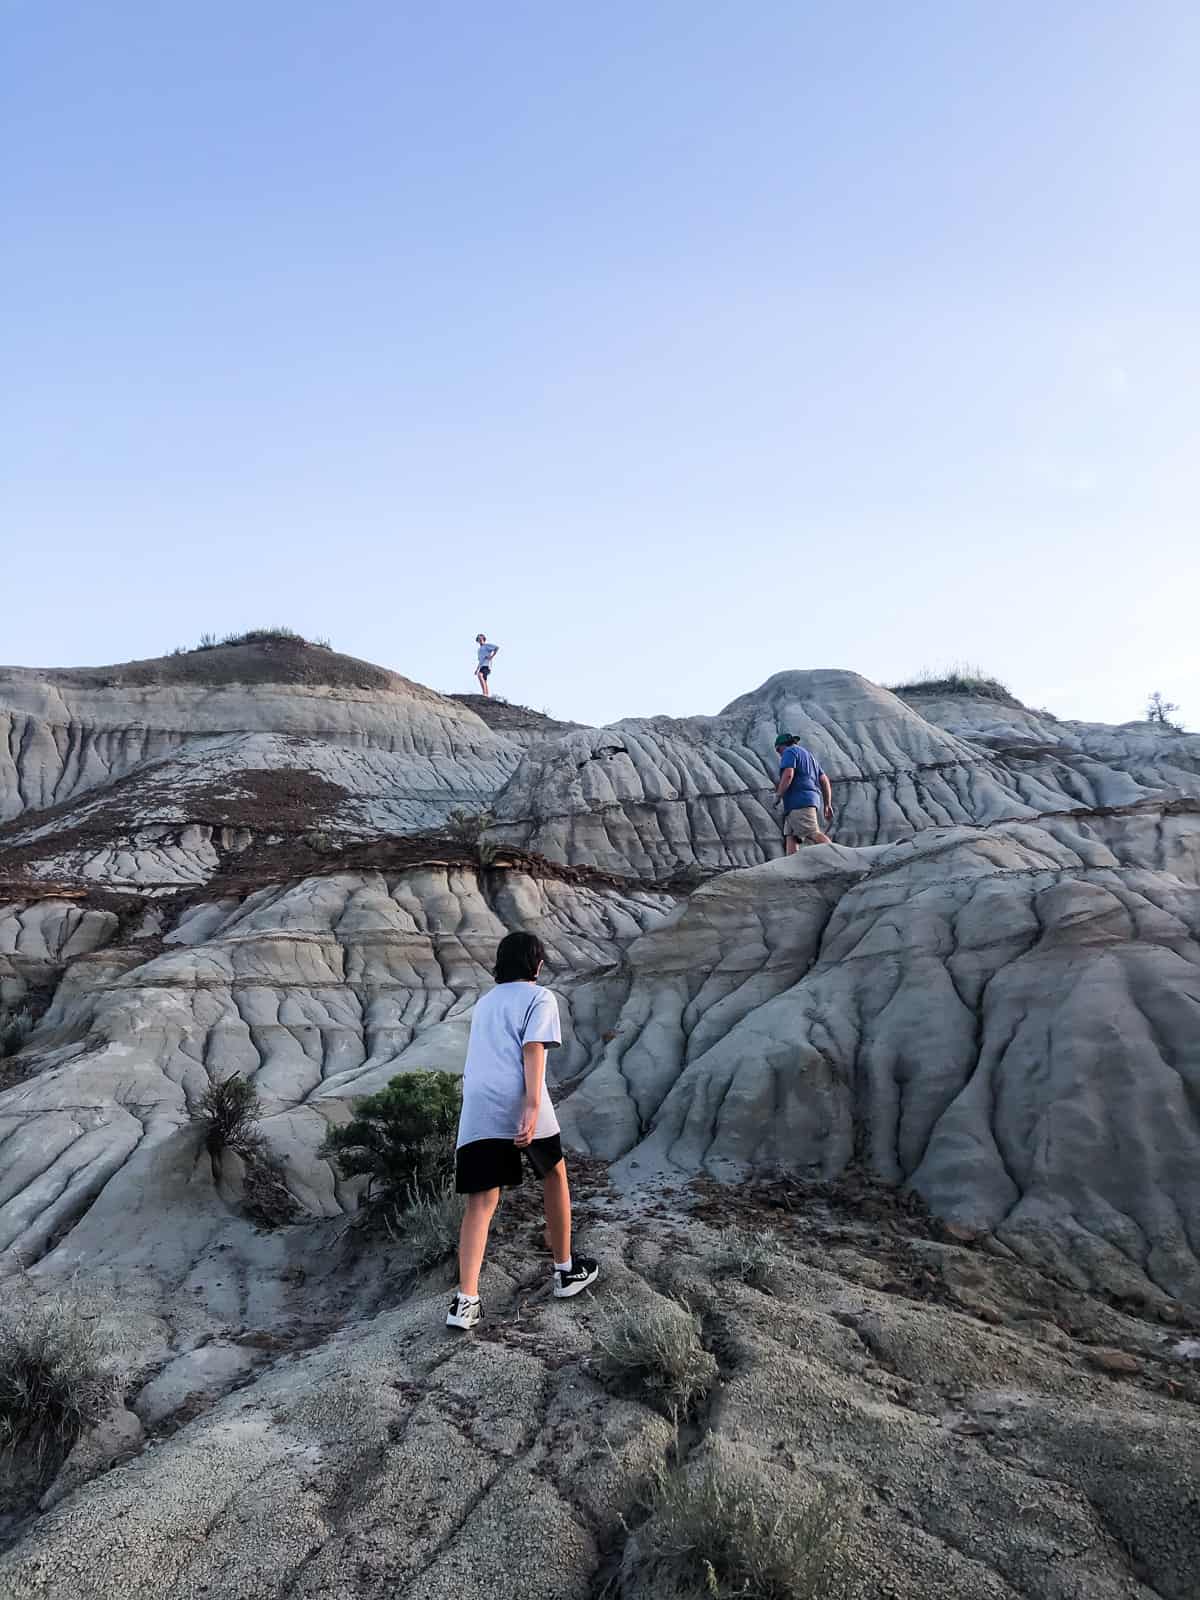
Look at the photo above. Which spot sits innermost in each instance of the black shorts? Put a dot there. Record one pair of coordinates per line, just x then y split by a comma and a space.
484, 672
496, 1163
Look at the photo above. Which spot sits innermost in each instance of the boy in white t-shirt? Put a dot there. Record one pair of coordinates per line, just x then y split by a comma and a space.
487, 653
506, 1110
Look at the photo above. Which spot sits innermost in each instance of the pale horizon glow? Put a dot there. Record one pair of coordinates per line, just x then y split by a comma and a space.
669, 345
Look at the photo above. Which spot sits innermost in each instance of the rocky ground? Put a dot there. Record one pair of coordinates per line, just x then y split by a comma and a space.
978, 1428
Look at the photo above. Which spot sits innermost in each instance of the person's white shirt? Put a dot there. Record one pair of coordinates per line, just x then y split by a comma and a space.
506, 1019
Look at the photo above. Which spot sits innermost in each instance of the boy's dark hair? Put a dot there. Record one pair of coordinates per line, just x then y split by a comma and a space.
518, 958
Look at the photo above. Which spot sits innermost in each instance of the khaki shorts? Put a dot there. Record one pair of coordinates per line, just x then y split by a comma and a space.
802, 824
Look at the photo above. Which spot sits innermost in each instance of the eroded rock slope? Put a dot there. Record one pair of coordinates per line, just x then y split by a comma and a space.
988, 987
279, 862
977, 1432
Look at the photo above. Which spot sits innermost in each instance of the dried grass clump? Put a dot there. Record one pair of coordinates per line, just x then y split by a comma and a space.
963, 678
212, 641
266, 1198
719, 1534
754, 1258
653, 1353
429, 1224
54, 1383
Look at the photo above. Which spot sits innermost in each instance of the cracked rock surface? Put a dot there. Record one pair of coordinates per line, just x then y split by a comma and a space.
393, 1457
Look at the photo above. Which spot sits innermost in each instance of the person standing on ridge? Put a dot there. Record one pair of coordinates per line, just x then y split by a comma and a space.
487, 653
506, 1113
803, 788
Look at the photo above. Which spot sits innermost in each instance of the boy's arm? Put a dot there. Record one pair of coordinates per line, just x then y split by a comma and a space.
785, 782
534, 1057
827, 796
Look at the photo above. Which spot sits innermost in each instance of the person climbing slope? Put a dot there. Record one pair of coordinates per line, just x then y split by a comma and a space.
803, 788
487, 654
506, 1111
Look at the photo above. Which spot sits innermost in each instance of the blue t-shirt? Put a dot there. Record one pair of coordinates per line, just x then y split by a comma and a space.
805, 787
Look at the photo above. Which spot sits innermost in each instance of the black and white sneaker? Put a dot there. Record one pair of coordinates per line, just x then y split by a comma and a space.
463, 1313
584, 1272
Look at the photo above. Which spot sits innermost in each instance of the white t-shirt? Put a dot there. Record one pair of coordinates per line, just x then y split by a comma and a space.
509, 1016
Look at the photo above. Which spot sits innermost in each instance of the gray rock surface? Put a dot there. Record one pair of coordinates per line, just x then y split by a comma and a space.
653, 796
397, 1459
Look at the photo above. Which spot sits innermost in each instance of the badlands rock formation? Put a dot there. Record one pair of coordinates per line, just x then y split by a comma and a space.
986, 992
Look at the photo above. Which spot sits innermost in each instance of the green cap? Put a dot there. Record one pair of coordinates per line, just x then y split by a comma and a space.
785, 738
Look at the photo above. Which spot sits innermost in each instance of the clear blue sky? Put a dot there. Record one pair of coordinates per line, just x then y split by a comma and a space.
672, 344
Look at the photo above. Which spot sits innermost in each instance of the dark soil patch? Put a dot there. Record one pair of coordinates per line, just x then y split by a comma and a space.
308, 854
855, 1196
502, 716
268, 799
281, 799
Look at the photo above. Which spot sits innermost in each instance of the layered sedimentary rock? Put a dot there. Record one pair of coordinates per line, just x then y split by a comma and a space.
655, 796
1006, 1020
986, 988
147, 774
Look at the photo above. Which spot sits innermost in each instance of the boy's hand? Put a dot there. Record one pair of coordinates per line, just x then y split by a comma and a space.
529, 1116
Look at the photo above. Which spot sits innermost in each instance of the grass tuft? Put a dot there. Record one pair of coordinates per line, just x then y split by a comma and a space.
753, 1258
53, 1380
428, 1226
654, 1354
212, 641
717, 1534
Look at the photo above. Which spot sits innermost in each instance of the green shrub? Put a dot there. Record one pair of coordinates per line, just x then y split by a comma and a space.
654, 1354
714, 1534
228, 1112
401, 1140
53, 1381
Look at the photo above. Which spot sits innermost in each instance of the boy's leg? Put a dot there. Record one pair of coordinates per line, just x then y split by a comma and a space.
472, 1238
557, 1200
572, 1273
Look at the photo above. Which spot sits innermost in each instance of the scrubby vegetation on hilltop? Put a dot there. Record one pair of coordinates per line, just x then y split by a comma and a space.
962, 678
210, 641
